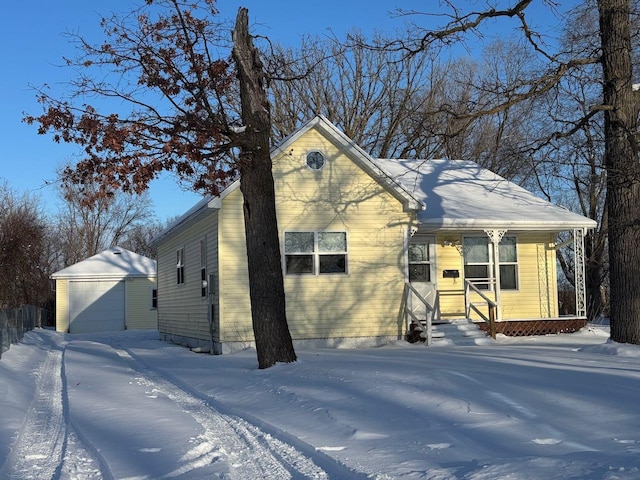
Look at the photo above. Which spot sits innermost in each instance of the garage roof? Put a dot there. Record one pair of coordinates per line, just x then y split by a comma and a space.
113, 263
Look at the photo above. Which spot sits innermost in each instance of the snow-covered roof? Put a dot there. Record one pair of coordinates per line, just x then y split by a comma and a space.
112, 263
463, 195
205, 206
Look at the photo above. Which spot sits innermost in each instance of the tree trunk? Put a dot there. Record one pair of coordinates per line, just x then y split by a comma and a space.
623, 172
266, 286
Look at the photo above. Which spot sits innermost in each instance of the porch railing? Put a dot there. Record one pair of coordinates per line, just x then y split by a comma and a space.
490, 317
432, 311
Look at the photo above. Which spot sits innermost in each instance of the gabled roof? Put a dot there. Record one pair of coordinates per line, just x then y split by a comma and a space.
200, 210
463, 195
114, 263
357, 154
210, 203
448, 194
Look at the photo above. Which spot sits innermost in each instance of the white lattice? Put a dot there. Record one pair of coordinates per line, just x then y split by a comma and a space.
578, 251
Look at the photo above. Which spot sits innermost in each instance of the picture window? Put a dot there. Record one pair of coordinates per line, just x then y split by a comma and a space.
315, 253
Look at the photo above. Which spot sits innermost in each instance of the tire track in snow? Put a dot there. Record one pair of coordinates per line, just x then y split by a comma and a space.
251, 451
81, 460
37, 451
48, 446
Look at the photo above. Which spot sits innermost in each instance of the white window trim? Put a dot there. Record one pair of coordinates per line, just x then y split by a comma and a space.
429, 240
316, 254
180, 265
490, 263
203, 266
306, 161
516, 263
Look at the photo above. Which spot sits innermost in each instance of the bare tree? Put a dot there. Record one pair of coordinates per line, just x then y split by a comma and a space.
85, 228
570, 168
139, 237
23, 259
394, 105
369, 94
163, 62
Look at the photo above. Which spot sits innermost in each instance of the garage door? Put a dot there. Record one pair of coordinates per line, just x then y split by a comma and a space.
96, 306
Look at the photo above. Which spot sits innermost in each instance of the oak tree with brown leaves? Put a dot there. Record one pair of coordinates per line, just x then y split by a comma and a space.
165, 102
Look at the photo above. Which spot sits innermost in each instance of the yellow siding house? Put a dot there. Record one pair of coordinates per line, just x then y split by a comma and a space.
363, 242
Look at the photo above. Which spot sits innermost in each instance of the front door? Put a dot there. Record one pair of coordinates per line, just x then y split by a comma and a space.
422, 274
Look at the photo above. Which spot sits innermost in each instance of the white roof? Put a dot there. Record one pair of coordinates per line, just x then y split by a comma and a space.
113, 263
462, 195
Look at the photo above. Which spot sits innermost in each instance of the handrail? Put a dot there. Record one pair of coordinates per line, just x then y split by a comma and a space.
433, 312
490, 318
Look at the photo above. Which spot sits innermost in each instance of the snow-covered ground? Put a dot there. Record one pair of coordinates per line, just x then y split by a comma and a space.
127, 406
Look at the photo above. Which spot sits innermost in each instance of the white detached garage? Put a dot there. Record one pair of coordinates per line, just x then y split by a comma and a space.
113, 290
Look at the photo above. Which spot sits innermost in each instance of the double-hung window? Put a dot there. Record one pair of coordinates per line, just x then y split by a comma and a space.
315, 253
478, 258
419, 262
180, 266
154, 298
508, 263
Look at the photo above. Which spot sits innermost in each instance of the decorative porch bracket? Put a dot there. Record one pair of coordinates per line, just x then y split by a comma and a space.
579, 272
495, 235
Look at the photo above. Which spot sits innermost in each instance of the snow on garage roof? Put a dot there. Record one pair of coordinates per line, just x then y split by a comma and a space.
112, 263
462, 195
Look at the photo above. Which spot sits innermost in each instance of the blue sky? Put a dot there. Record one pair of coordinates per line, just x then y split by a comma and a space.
32, 46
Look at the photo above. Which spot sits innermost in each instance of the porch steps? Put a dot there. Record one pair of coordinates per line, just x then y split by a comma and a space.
458, 332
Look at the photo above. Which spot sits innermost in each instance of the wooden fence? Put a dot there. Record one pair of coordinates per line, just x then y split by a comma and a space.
15, 322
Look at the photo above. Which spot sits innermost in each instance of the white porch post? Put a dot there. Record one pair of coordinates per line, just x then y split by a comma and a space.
579, 272
408, 234
496, 236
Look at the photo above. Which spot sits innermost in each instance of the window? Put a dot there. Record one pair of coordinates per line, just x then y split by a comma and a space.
203, 267
478, 258
419, 262
315, 253
180, 266
154, 298
315, 160
508, 264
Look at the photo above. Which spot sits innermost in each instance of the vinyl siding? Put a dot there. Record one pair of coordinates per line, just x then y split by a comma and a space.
235, 307
62, 305
139, 314
340, 197
181, 308
537, 294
